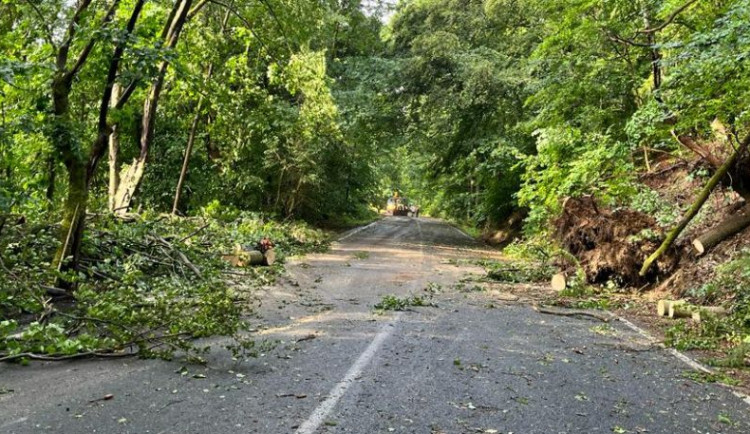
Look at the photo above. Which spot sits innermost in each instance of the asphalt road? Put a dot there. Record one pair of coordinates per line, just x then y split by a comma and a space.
476, 362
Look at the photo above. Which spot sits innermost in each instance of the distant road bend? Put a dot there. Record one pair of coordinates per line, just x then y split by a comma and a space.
475, 362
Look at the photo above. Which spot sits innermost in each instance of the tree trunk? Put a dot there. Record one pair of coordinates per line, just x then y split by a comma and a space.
730, 226
73, 219
186, 159
213, 151
114, 151
62, 139
133, 176
129, 179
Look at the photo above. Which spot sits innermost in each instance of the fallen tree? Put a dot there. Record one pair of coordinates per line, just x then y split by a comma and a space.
720, 174
732, 225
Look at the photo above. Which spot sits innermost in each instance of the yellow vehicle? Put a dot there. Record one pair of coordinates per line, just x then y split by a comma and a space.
397, 206
391, 205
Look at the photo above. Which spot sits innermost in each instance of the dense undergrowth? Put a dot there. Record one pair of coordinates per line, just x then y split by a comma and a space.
730, 288
148, 286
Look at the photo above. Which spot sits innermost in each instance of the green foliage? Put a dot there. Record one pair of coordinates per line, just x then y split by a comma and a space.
707, 77
649, 202
569, 163
731, 286
392, 302
520, 272
705, 336
151, 286
731, 282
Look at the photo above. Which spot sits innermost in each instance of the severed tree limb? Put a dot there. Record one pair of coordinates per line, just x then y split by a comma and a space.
571, 312
60, 358
697, 205
730, 226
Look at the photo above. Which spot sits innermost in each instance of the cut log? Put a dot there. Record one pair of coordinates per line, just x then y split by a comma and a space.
680, 310
254, 257
559, 282
269, 257
662, 307
233, 260
247, 258
703, 312
730, 226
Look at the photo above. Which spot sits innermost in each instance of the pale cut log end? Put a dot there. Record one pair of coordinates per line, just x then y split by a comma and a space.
698, 246
270, 257
662, 307
559, 282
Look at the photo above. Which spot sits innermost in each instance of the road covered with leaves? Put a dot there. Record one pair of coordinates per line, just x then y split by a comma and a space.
393, 330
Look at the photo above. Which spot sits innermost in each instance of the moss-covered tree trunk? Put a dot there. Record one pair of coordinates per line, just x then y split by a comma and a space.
64, 143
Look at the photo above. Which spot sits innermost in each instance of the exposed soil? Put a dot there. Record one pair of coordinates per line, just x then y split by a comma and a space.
610, 244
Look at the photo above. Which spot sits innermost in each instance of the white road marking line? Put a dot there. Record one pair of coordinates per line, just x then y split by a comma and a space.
325, 408
464, 234
14, 422
683, 358
357, 230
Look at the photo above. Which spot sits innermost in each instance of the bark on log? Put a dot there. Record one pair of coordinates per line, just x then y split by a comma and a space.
269, 257
704, 312
730, 226
559, 282
247, 258
680, 310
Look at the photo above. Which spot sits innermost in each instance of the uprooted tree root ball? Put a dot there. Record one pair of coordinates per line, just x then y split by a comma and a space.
611, 244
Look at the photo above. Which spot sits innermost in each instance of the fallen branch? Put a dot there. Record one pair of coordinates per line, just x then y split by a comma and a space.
194, 233
571, 312
60, 358
180, 255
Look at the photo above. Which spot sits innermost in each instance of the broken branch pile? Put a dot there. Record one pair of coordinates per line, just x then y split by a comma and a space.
148, 286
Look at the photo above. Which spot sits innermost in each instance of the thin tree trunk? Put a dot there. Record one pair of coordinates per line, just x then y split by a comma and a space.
194, 128
186, 159
51, 180
214, 154
114, 151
